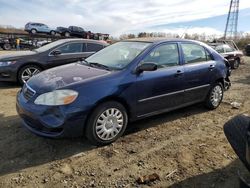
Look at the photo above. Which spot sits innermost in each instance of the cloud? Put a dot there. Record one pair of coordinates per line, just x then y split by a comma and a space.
110, 16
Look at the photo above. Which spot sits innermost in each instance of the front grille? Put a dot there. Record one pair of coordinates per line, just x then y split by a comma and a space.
28, 92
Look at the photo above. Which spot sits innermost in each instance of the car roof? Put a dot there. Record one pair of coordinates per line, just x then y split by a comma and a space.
159, 40
82, 40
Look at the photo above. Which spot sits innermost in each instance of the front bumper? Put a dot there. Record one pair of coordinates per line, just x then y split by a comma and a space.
52, 122
8, 74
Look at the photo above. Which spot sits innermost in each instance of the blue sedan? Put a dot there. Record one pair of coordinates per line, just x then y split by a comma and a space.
124, 82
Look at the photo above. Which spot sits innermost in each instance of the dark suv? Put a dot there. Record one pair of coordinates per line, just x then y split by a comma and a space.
20, 66
73, 31
124, 82
247, 49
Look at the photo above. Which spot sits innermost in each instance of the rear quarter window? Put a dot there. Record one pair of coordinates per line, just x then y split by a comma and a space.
92, 47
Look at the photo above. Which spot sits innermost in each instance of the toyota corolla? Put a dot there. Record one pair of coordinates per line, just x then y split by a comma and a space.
124, 82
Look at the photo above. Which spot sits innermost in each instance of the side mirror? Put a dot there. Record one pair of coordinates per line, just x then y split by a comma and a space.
56, 52
148, 66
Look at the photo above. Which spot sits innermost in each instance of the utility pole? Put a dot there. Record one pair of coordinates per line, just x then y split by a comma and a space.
232, 20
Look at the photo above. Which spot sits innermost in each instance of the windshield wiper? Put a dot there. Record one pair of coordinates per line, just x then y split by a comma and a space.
93, 64
85, 61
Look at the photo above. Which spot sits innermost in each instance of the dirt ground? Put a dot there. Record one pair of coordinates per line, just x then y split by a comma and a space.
186, 148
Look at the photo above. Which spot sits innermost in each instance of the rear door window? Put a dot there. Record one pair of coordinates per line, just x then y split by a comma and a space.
194, 53
92, 47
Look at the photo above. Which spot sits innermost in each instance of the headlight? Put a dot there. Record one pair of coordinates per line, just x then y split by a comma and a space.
6, 63
57, 97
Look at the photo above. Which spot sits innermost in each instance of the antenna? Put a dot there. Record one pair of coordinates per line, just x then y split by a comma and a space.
232, 20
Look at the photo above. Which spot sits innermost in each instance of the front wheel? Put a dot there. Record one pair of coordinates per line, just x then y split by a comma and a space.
214, 96
33, 31
26, 72
106, 123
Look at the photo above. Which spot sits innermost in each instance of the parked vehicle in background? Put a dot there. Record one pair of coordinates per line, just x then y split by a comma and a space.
233, 55
247, 50
24, 44
124, 82
73, 31
21, 66
34, 28
42, 43
237, 131
5, 44
8, 44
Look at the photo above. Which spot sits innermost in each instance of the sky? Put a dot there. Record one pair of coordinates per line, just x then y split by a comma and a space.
117, 17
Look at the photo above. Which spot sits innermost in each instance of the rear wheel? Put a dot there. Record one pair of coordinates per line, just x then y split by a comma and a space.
67, 34
26, 72
7, 46
214, 96
107, 123
236, 64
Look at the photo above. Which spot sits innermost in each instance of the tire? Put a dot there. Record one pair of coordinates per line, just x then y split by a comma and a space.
215, 96
67, 34
33, 31
102, 128
7, 46
236, 132
34, 69
53, 33
236, 64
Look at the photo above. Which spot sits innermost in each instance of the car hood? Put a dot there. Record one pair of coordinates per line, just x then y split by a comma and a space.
234, 53
64, 76
16, 55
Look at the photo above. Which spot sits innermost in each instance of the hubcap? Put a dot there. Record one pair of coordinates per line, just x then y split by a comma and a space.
109, 124
216, 95
28, 73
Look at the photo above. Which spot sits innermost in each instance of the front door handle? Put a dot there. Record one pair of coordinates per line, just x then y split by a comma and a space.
178, 73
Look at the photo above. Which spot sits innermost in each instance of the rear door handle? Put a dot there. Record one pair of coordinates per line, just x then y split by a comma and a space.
211, 67
178, 73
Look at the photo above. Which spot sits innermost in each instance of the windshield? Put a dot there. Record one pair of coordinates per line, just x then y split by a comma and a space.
118, 55
48, 46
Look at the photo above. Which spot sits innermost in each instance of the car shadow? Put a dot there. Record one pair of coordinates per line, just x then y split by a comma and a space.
244, 81
20, 149
220, 178
9, 85
156, 120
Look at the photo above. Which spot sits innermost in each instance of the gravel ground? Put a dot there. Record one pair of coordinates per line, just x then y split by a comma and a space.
185, 148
